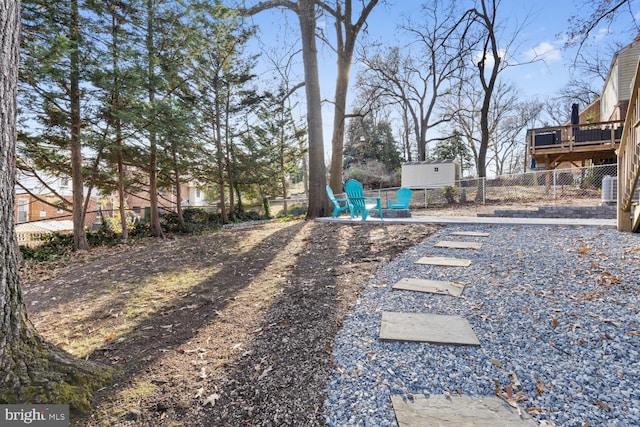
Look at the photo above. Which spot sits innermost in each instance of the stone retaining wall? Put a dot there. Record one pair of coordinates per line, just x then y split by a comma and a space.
599, 212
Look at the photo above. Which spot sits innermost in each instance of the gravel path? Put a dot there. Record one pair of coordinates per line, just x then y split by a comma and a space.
557, 312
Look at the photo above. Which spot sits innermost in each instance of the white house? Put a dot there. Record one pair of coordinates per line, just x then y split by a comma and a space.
430, 174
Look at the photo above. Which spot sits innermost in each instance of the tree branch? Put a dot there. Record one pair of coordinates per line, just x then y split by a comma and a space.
265, 5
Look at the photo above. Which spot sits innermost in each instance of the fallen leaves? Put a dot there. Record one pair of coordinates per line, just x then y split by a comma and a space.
496, 362
211, 399
507, 394
602, 405
608, 279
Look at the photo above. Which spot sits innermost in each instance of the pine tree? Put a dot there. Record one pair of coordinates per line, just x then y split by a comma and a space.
31, 370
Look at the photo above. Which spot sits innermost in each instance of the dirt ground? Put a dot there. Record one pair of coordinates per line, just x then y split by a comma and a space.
231, 328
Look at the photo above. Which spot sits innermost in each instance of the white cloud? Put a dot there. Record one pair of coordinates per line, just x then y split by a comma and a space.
489, 60
545, 51
601, 33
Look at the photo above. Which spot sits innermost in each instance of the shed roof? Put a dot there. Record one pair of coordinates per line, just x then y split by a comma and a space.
431, 162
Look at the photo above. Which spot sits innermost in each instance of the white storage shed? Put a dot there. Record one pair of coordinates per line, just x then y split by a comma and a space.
430, 174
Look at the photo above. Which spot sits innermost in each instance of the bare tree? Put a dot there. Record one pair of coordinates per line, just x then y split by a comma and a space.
510, 116
346, 35
601, 12
282, 59
464, 108
416, 76
306, 12
489, 66
492, 58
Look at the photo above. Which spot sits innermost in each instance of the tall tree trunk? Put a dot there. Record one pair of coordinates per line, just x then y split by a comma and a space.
77, 182
115, 106
318, 203
219, 153
31, 371
337, 141
346, 42
178, 182
306, 12
227, 157
281, 159
488, 19
156, 228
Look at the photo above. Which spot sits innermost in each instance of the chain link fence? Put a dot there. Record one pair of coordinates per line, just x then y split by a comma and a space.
580, 186
577, 186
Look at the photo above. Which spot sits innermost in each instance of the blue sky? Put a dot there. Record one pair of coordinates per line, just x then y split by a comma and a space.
543, 24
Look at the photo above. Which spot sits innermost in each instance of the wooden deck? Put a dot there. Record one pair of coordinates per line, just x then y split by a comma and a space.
551, 146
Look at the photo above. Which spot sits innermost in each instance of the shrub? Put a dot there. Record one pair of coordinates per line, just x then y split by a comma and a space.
245, 216
104, 236
450, 193
295, 211
141, 229
196, 220
373, 174
54, 246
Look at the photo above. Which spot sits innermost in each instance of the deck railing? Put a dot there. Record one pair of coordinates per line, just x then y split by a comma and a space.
629, 158
571, 137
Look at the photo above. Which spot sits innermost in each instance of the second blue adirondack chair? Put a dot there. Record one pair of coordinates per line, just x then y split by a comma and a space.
402, 200
359, 203
339, 205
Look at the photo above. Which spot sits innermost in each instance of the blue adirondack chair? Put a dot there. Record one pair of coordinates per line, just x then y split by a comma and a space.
402, 200
339, 205
359, 203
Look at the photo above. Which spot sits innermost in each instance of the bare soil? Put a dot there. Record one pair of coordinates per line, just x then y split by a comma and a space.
230, 328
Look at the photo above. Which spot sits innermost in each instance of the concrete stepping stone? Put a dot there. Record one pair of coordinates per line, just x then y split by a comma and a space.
444, 261
458, 245
431, 286
432, 328
457, 411
470, 233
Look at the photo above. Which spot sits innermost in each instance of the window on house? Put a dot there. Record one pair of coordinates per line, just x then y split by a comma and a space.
436, 169
64, 182
137, 209
198, 193
23, 210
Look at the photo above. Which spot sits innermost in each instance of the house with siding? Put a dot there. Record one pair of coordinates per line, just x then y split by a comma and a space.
595, 136
42, 199
614, 100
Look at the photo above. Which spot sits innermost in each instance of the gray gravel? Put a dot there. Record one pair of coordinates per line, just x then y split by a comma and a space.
557, 312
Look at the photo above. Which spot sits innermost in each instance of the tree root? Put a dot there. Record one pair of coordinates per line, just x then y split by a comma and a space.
44, 374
